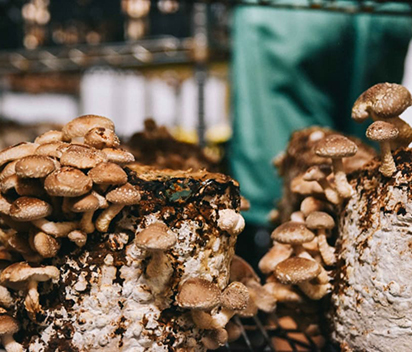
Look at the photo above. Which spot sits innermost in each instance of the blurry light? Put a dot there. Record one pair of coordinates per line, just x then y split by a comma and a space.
93, 37
42, 16
30, 41
168, 6
136, 8
29, 12
136, 29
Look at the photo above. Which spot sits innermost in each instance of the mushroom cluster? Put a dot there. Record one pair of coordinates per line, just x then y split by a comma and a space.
124, 256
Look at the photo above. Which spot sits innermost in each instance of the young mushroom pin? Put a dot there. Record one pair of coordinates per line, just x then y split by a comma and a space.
337, 147
383, 133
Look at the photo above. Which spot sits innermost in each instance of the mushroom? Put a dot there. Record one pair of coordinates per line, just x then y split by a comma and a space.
321, 222
156, 239
318, 174
231, 221
22, 274
119, 197
108, 174
215, 339
17, 151
82, 156
383, 133
49, 136
283, 293
337, 147
306, 188
82, 124
198, 294
22, 186
78, 237
385, 101
4, 205
8, 170
262, 298
244, 204
34, 166
234, 331
67, 182
56, 229
46, 245
100, 137
118, 155
8, 327
293, 233
311, 204
51, 149
87, 205
278, 253
297, 216
28, 209
5, 298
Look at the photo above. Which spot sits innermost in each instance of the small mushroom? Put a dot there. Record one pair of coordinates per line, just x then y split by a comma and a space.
17, 151
318, 174
297, 216
49, 136
56, 229
22, 274
234, 331
383, 133
231, 221
82, 157
311, 204
82, 124
278, 253
283, 293
241, 271
198, 294
293, 233
46, 245
108, 174
34, 166
262, 298
28, 209
337, 147
156, 239
118, 155
321, 222
8, 327
100, 137
78, 237
296, 270
244, 204
306, 188
119, 197
5, 298
215, 339
87, 205
51, 149
67, 182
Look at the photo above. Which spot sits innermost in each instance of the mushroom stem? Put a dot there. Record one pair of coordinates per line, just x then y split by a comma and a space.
327, 252
209, 321
56, 229
86, 223
342, 185
314, 292
31, 301
330, 193
159, 271
10, 343
78, 237
105, 218
388, 166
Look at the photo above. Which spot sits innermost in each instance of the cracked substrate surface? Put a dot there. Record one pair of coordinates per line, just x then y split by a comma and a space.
372, 300
104, 300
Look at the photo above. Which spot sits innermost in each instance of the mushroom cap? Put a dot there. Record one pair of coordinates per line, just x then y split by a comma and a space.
46, 245
319, 220
49, 136
17, 151
292, 232
124, 195
118, 155
156, 237
235, 296
108, 174
386, 100
381, 131
335, 146
22, 272
82, 124
317, 173
34, 166
295, 270
52, 149
82, 156
241, 271
197, 293
67, 182
84, 204
101, 137
28, 209
8, 325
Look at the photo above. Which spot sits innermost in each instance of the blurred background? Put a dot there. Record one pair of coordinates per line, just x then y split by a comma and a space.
210, 75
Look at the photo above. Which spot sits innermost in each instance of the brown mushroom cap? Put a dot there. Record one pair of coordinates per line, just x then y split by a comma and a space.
235, 296
156, 237
385, 100
23, 272
8, 325
52, 149
294, 270
118, 155
82, 157
82, 124
241, 271
124, 195
381, 131
292, 233
317, 173
108, 174
84, 204
34, 166
28, 209
319, 220
100, 137
335, 146
197, 293
49, 136
16, 152
67, 182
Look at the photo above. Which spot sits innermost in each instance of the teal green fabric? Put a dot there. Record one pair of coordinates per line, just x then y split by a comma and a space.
296, 68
